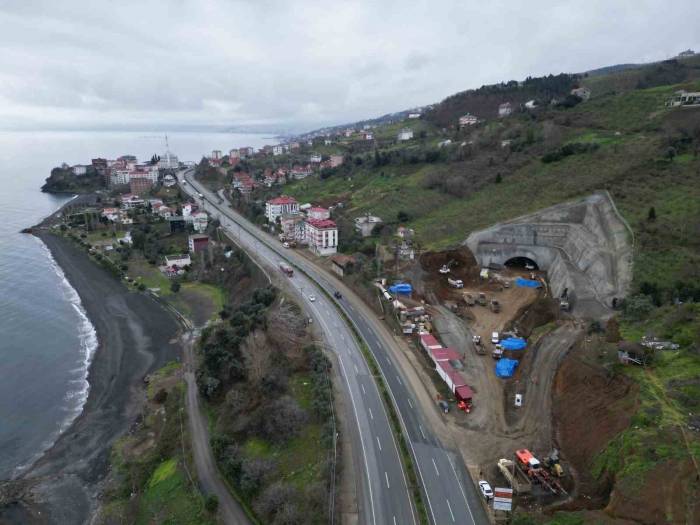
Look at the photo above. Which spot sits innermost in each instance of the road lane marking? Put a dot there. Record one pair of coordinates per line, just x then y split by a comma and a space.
399, 380
379, 443
387, 481
363, 389
435, 465
409, 402
362, 441
357, 370
421, 431
450, 508
459, 484
370, 412
394, 520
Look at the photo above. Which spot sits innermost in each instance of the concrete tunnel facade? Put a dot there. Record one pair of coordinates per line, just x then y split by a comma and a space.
584, 246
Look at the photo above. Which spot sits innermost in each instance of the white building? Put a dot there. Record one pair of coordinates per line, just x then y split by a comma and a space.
582, 92
79, 170
178, 260
413, 115
279, 206
505, 109
130, 201
468, 120
119, 177
234, 154
317, 212
216, 155
531, 104
277, 150
169, 181
405, 134
315, 159
322, 236
366, 224
169, 161
199, 219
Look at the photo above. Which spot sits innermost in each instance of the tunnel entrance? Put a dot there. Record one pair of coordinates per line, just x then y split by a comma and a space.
523, 263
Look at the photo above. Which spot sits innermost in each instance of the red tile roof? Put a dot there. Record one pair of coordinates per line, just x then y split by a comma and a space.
282, 200
322, 224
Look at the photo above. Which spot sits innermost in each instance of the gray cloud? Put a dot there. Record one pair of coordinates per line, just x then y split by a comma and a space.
295, 65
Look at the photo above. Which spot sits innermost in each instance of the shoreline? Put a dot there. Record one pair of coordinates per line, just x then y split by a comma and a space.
135, 336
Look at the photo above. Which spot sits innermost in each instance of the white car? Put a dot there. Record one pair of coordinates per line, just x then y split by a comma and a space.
485, 489
285, 244
312, 298
518, 400
495, 338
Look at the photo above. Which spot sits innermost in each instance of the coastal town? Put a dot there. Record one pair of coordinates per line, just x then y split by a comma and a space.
482, 310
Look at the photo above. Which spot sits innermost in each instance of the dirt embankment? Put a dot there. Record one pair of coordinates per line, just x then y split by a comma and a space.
590, 407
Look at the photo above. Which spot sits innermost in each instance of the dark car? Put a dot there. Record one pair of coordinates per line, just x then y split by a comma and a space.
337, 295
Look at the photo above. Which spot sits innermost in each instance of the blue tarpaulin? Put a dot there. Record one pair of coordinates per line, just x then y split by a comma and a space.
506, 367
513, 343
403, 288
527, 283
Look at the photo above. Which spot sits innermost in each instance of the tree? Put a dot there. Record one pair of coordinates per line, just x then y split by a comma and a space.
670, 153
211, 503
403, 216
174, 286
651, 216
499, 178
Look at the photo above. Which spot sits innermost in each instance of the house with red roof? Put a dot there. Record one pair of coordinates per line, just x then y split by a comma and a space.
282, 205
317, 212
322, 236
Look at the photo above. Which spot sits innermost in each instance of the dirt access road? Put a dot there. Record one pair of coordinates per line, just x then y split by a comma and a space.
495, 428
210, 480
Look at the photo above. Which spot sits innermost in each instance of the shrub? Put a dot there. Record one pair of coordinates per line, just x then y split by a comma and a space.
211, 503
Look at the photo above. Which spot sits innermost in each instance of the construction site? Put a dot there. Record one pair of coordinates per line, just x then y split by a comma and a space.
488, 327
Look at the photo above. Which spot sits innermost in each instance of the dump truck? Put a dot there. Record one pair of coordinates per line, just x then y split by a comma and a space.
482, 299
495, 306
476, 339
469, 299
286, 269
520, 483
455, 283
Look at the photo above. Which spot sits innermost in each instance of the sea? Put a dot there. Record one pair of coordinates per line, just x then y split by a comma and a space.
46, 338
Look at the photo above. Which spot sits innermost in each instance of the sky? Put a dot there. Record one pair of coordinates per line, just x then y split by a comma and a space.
298, 65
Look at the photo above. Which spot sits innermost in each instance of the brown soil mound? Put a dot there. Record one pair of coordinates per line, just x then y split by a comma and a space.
544, 310
461, 261
589, 409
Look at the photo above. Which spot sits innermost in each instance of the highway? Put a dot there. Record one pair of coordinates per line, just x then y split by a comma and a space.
383, 495
448, 490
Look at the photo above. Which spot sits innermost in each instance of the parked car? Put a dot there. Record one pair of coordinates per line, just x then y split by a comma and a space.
518, 400
312, 298
444, 406
485, 489
495, 339
337, 295
285, 244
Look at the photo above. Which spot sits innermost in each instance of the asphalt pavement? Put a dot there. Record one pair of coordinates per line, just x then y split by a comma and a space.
449, 492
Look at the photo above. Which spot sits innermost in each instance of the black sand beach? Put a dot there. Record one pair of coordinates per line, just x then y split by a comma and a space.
136, 336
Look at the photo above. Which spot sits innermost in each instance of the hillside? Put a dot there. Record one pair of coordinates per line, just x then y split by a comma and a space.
624, 140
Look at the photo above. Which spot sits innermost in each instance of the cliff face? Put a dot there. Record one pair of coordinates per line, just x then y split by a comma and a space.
64, 181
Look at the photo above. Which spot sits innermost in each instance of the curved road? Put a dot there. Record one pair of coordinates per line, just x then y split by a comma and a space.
448, 490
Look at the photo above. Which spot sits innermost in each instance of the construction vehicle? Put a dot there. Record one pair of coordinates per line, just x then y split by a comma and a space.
520, 484
482, 299
495, 306
469, 299
532, 467
455, 283
564, 301
476, 339
286, 269
444, 269
553, 464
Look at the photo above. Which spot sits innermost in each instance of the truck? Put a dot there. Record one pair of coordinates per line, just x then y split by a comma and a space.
469, 299
455, 283
482, 299
565, 301
534, 470
495, 306
286, 269
476, 339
